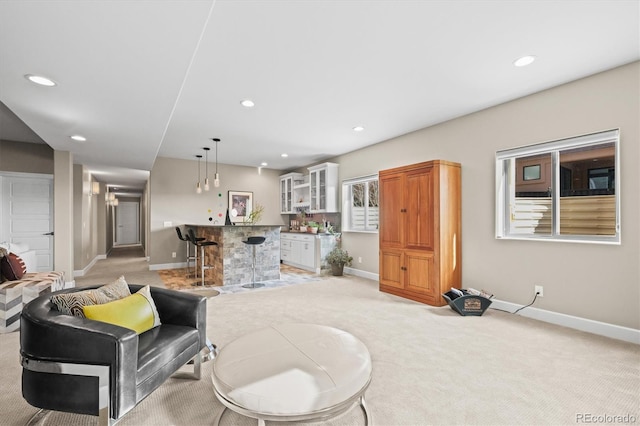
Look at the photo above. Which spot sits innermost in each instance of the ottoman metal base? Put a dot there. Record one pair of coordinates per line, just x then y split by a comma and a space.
317, 416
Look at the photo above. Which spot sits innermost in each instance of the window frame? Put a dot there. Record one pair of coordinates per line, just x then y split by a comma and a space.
347, 204
553, 148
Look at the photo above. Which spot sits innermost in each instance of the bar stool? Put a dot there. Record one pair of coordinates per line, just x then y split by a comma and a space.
202, 243
190, 258
254, 241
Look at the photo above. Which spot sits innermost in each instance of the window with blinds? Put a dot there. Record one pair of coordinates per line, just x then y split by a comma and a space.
360, 208
561, 190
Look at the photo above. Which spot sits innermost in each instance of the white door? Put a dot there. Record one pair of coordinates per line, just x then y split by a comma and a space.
27, 214
127, 223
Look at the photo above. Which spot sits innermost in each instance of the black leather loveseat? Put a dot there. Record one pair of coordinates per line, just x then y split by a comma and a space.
83, 366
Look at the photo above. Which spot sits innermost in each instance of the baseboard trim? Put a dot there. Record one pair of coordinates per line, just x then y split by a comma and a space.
361, 273
583, 324
82, 272
159, 266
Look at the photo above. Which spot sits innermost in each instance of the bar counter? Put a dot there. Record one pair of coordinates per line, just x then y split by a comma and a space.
232, 259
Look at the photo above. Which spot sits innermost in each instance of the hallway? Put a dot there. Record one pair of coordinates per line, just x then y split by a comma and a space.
129, 261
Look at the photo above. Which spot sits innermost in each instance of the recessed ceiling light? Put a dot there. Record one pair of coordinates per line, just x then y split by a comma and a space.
284, 155
524, 61
358, 129
38, 79
263, 164
78, 138
247, 103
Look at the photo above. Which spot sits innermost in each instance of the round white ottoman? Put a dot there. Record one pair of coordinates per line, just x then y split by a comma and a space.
292, 372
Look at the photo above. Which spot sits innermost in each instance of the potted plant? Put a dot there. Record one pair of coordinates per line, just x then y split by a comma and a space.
338, 258
255, 215
312, 227
302, 219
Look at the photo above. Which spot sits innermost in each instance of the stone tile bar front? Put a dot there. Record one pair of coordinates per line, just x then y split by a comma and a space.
232, 259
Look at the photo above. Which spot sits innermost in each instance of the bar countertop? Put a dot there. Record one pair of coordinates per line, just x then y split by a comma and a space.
232, 259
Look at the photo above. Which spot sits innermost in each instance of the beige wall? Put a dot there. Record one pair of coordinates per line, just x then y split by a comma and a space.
173, 199
599, 282
87, 232
26, 157
63, 214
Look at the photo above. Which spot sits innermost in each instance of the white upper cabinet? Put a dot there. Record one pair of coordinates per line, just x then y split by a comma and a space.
316, 192
286, 192
323, 188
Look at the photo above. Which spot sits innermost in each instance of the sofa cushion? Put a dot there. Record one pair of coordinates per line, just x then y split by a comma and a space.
72, 303
162, 350
12, 267
137, 312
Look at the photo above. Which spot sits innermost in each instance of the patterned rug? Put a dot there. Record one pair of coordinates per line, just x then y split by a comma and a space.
177, 279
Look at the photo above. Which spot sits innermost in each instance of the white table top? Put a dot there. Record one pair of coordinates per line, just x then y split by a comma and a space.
292, 370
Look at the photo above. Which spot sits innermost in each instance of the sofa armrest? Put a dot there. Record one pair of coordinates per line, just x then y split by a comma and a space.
181, 308
49, 335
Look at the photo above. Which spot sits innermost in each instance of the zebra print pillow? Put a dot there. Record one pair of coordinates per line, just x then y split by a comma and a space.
72, 303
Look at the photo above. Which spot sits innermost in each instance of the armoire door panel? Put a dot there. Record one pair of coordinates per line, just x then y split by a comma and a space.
420, 220
391, 268
391, 211
419, 273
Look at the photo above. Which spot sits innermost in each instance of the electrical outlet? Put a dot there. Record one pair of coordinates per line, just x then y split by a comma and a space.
539, 289
359, 259
173, 254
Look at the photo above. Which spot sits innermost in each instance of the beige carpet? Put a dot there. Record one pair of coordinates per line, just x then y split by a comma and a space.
430, 365
128, 261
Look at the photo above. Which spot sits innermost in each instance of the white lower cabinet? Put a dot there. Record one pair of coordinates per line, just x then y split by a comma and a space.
299, 250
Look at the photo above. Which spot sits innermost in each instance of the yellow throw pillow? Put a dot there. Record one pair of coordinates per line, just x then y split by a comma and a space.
137, 312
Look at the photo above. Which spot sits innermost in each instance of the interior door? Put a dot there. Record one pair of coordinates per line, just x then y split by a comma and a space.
127, 223
27, 215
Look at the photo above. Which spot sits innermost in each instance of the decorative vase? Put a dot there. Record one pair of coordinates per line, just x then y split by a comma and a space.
303, 229
337, 269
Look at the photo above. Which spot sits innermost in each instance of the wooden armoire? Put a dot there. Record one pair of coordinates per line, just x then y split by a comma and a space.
420, 230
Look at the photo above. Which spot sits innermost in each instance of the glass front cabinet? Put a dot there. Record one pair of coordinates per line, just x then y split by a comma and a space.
286, 192
323, 187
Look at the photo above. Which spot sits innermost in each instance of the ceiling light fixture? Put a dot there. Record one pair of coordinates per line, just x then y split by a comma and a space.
524, 61
216, 177
358, 129
247, 103
78, 138
263, 164
284, 155
198, 187
206, 163
38, 79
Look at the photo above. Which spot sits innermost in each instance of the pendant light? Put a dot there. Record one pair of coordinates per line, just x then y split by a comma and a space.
206, 165
216, 178
198, 188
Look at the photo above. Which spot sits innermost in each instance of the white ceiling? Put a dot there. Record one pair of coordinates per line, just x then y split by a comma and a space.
160, 78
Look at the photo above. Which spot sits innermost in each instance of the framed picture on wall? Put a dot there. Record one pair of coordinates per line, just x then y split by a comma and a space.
240, 205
